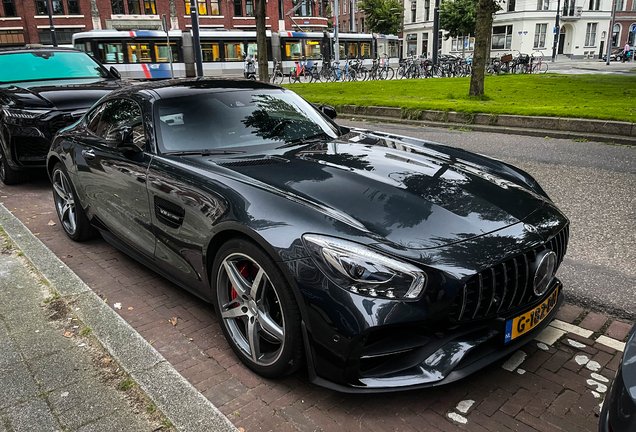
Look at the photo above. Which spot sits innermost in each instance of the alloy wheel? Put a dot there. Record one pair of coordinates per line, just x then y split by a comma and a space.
251, 309
64, 201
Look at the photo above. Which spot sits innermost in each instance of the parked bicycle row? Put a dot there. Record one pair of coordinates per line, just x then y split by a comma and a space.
409, 68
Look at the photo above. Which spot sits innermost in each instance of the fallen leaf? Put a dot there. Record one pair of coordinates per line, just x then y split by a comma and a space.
68, 335
51, 223
36, 233
4, 196
241, 429
108, 360
173, 321
161, 322
33, 217
130, 308
151, 342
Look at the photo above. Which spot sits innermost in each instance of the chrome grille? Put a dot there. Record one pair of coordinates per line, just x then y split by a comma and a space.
506, 286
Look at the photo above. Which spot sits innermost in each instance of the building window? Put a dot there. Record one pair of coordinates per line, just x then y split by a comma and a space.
413, 11
411, 44
427, 9
11, 37
238, 8
62, 35
361, 25
568, 7
202, 5
9, 9
307, 9
73, 7
511, 5
118, 7
214, 7
596, 4
501, 37
615, 34
539, 35
620, 5
633, 5
133, 7
249, 7
41, 7
149, 7
544, 4
590, 34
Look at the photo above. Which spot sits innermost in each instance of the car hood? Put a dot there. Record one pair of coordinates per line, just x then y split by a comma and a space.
414, 196
58, 94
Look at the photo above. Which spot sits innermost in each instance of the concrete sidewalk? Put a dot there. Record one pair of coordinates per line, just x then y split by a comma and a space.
53, 374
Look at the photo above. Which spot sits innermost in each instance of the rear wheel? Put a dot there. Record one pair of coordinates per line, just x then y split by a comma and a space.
305, 77
8, 175
256, 309
68, 208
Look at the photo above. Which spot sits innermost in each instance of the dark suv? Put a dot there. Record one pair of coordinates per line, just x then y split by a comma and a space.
41, 91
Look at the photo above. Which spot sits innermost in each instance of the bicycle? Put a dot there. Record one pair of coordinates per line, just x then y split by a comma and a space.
300, 73
277, 74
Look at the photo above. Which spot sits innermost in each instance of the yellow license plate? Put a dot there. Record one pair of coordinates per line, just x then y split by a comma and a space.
524, 323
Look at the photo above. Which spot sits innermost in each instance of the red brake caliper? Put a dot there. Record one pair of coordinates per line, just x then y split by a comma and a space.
233, 294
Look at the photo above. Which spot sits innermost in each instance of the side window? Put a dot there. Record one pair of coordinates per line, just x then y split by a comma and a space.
92, 119
120, 113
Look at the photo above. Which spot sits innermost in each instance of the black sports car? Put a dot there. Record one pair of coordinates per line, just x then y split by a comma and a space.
41, 91
619, 408
379, 261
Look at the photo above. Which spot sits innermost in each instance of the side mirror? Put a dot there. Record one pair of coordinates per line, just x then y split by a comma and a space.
329, 111
115, 72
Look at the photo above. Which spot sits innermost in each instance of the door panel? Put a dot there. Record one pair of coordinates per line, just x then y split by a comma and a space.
184, 213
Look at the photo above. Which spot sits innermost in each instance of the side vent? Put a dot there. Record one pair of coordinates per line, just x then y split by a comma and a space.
168, 213
252, 162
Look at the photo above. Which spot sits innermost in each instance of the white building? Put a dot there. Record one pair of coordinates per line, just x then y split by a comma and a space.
522, 25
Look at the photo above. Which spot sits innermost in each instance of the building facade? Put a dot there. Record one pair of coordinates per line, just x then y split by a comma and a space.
526, 26
26, 21
350, 18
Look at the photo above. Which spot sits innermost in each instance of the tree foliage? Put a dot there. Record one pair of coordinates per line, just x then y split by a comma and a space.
383, 16
458, 17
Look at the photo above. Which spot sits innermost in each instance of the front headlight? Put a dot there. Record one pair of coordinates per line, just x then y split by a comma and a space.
13, 115
363, 271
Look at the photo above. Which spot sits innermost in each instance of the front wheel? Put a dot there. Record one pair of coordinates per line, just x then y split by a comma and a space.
69, 210
256, 309
8, 175
277, 78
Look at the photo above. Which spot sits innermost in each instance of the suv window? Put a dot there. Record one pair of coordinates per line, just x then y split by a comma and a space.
117, 114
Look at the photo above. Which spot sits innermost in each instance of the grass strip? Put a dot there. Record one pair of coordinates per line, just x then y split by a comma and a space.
604, 97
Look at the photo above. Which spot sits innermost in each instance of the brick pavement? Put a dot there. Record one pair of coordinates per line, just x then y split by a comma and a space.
556, 388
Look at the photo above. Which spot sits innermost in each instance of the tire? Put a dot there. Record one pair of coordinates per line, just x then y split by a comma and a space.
8, 175
390, 73
305, 77
278, 78
69, 210
268, 311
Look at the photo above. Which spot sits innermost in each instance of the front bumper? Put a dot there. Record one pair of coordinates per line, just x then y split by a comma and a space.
454, 353
26, 143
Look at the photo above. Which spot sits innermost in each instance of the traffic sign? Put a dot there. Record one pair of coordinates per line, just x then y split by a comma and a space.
632, 29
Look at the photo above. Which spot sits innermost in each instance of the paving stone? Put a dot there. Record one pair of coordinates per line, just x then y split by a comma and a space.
95, 399
61, 369
593, 321
618, 330
32, 416
8, 352
569, 313
16, 384
35, 344
117, 422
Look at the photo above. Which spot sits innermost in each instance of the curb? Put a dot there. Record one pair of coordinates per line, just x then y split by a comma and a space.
554, 127
184, 406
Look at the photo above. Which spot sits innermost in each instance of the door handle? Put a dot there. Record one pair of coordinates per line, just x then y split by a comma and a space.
88, 154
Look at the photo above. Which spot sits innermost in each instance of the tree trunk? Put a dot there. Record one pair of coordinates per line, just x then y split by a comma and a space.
261, 41
483, 29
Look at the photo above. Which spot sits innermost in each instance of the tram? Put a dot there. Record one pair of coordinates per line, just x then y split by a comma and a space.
144, 54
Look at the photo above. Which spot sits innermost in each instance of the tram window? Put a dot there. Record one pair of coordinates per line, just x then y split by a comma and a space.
211, 52
312, 50
352, 51
342, 50
252, 49
110, 53
161, 52
139, 53
292, 50
233, 51
393, 49
365, 50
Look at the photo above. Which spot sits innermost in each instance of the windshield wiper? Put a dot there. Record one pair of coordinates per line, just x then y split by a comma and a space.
302, 141
207, 152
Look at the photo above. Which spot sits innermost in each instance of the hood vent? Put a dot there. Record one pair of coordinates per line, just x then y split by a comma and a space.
252, 162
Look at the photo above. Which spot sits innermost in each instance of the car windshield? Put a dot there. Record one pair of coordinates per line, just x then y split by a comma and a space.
48, 65
238, 119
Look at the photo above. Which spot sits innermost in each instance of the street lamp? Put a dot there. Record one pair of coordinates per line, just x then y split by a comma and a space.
557, 32
610, 34
49, 6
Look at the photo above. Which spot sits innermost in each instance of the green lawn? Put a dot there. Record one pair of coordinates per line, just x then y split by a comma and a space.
608, 97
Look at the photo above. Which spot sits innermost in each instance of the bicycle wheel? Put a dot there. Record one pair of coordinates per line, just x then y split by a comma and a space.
401, 72
277, 78
305, 77
390, 73
361, 74
543, 68
292, 77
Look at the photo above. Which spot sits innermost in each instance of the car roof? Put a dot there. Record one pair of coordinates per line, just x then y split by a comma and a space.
172, 88
35, 49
